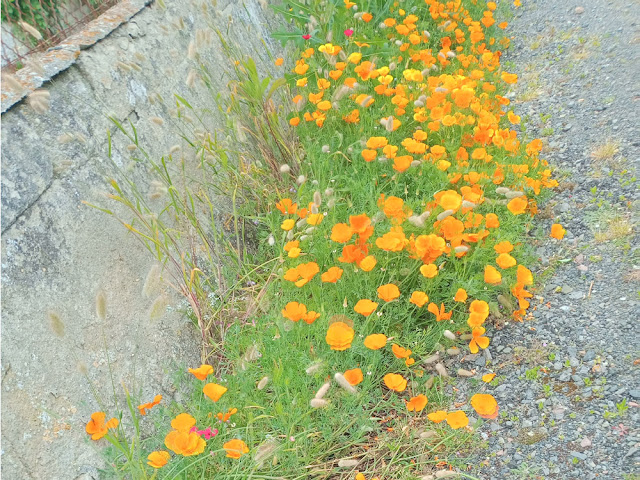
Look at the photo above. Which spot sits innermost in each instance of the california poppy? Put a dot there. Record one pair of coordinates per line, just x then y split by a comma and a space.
457, 419
202, 372
417, 404
97, 427
439, 312
148, 406
375, 341
395, 382
419, 298
339, 336
158, 459
365, 307
235, 448
388, 292
557, 231
353, 376
214, 391
485, 405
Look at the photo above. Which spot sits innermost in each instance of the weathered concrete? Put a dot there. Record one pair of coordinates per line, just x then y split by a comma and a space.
58, 253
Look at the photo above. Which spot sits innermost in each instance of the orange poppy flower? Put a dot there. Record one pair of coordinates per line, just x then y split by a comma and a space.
388, 292
332, 275
341, 233
457, 419
505, 261
491, 220
518, 205
367, 17
97, 427
402, 163
214, 391
492, 275
395, 382
158, 459
417, 404
503, 247
392, 241
235, 448
288, 224
185, 443
353, 376
449, 200
478, 340
311, 317
202, 372
509, 77
438, 416
485, 405
315, 219
339, 336
294, 311
439, 312
368, 263
419, 298
377, 142
488, 377
524, 275
557, 231
429, 271
148, 406
365, 307
287, 207
359, 223
375, 341
461, 295
224, 417
400, 352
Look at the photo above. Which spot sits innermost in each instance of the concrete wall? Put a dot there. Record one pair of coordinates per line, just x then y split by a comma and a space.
58, 253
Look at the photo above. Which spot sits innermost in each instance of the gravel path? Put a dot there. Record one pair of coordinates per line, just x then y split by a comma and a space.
569, 379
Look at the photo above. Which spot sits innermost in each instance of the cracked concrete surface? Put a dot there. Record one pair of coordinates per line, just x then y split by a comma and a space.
57, 253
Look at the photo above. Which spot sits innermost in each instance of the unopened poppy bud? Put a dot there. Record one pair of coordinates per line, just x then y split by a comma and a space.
271, 241
284, 169
512, 194
263, 383
445, 214
344, 383
317, 198
502, 190
323, 390
449, 334
301, 179
325, 149
468, 204
318, 403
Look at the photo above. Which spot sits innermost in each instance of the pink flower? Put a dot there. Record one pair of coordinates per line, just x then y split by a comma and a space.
348, 32
306, 37
207, 432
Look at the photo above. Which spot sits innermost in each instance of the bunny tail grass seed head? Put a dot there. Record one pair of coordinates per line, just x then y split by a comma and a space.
323, 390
158, 307
157, 120
12, 83
56, 324
344, 383
263, 383
152, 282
31, 30
348, 463
318, 402
101, 305
314, 368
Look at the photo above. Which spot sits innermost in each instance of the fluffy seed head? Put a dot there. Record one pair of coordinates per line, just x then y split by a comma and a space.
101, 305
344, 383
56, 324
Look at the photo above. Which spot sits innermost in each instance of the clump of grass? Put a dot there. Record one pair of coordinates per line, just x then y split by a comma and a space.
606, 152
390, 195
